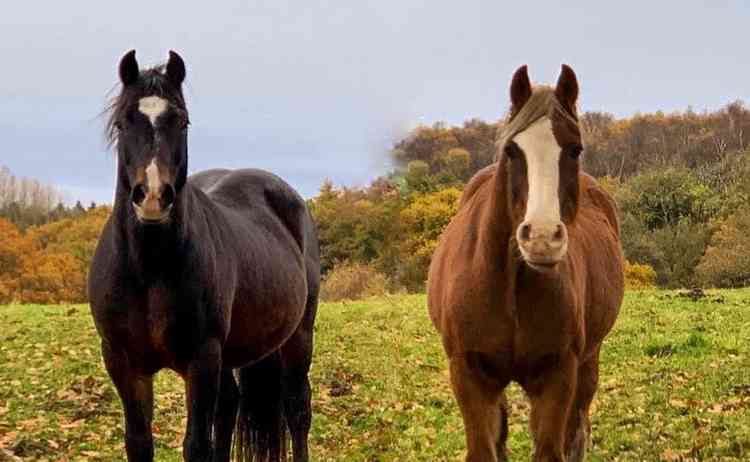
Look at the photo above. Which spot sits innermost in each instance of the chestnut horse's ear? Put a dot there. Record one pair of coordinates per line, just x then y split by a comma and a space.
129, 69
520, 88
175, 69
567, 88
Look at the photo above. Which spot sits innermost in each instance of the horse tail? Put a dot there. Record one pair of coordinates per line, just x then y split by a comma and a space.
261, 434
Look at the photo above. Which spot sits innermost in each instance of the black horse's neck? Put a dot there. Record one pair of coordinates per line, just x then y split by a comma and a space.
151, 252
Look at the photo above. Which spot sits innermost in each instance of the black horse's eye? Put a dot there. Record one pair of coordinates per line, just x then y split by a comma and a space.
511, 150
575, 151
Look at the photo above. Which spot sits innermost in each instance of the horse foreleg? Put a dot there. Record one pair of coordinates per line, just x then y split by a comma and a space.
480, 404
502, 450
136, 394
226, 416
550, 408
202, 383
579, 426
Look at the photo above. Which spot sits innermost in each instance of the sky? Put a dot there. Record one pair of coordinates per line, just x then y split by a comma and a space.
322, 90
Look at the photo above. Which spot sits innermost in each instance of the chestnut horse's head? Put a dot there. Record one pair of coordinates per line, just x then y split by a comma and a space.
148, 123
540, 145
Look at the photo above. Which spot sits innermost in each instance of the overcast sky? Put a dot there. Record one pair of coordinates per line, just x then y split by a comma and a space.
315, 90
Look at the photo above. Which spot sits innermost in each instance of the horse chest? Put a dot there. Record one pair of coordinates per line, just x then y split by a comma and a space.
153, 331
158, 318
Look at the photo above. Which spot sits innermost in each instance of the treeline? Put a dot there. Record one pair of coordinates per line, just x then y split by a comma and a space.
49, 263
682, 182
27, 202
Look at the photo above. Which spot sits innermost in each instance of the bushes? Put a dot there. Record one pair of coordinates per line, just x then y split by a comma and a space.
665, 222
666, 197
726, 262
639, 277
352, 281
422, 222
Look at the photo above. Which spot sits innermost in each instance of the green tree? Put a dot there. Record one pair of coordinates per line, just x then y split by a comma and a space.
422, 223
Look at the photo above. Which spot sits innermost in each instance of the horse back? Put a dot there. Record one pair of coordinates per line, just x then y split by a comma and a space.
247, 189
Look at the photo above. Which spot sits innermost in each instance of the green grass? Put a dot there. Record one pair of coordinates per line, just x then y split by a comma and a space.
675, 385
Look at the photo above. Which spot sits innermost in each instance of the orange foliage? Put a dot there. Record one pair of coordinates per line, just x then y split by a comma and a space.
14, 249
49, 263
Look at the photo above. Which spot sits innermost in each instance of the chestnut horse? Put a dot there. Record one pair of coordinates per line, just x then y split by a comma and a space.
214, 276
527, 280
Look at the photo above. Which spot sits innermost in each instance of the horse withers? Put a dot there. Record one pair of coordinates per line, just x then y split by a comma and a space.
214, 276
527, 280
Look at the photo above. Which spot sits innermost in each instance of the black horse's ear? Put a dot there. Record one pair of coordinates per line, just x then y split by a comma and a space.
175, 68
567, 88
520, 88
129, 69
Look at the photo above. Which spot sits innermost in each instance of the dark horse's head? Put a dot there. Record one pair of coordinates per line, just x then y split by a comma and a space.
541, 144
148, 124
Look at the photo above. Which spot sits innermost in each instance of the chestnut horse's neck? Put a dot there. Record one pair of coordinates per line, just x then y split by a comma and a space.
511, 273
497, 219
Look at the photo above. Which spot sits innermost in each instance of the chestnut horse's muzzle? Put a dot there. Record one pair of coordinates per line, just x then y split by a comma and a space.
543, 244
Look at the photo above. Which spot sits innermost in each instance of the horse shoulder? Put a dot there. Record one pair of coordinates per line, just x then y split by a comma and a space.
459, 282
600, 199
480, 178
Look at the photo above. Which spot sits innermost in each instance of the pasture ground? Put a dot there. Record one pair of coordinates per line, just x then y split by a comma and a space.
675, 385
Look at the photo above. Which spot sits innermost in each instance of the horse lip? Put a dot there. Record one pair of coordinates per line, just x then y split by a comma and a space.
164, 218
543, 265
153, 221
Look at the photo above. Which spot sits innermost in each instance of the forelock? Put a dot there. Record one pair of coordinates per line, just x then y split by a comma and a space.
151, 82
541, 103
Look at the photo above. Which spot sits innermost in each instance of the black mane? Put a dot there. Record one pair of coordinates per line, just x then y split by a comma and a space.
151, 82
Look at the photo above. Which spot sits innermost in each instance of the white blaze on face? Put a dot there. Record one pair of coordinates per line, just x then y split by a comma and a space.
152, 107
153, 179
543, 171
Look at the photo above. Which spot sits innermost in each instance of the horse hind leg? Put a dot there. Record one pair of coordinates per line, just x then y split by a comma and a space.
502, 450
296, 356
226, 416
579, 427
298, 412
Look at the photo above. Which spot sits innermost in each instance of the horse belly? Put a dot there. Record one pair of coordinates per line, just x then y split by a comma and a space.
260, 325
604, 285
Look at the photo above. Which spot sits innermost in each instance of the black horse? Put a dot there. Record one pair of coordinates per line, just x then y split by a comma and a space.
214, 276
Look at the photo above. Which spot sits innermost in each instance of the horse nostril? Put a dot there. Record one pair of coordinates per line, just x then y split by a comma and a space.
168, 196
559, 233
525, 231
138, 194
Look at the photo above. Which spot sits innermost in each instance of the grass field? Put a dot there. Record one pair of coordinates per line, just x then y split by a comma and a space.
675, 385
